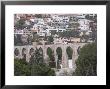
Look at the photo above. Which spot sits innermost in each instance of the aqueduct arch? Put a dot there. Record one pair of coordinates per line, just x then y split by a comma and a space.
59, 61
24, 53
16, 52
29, 50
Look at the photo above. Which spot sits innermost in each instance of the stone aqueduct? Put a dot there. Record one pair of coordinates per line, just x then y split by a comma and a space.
29, 48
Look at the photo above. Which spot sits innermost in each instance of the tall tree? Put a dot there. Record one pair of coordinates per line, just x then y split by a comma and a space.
50, 53
86, 64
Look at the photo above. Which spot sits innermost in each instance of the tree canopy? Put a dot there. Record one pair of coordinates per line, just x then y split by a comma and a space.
38, 67
21, 68
86, 64
20, 24
49, 51
35, 67
69, 33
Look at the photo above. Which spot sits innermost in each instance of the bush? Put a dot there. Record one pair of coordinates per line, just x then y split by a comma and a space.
21, 68
35, 67
42, 70
86, 64
52, 64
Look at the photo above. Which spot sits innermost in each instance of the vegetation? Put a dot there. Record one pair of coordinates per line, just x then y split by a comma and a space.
29, 39
38, 67
49, 52
94, 36
59, 53
35, 37
38, 15
41, 69
69, 52
51, 58
20, 24
84, 36
69, 33
17, 40
35, 67
94, 18
87, 61
21, 68
16, 52
50, 39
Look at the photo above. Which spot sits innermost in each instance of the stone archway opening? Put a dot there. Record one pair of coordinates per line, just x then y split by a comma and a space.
69, 52
24, 54
41, 55
78, 50
41, 51
31, 51
51, 59
59, 57
16, 52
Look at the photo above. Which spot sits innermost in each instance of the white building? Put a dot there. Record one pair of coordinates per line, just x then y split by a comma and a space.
84, 24
57, 30
48, 31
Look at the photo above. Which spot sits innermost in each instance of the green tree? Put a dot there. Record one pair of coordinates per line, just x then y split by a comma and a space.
94, 35
86, 64
38, 15
42, 69
37, 57
52, 62
69, 52
53, 32
29, 39
69, 33
59, 53
20, 24
21, 68
50, 39
38, 67
50, 53
35, 37
17, 40
84, 36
